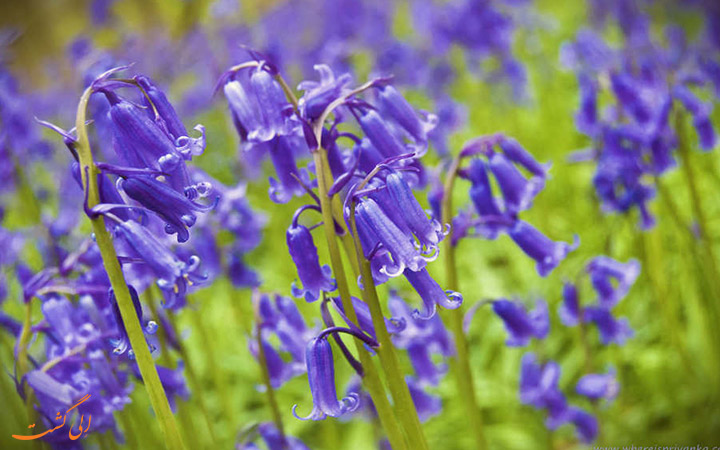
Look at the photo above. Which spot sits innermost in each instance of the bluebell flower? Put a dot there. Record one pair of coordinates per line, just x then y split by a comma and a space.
173, 274
569, 311
394, 325
431, 293
520, 324
122, 343
319, 94
321, 375
380, 135
612, 279
586, 425
313, 277
518, 192
596, 386
547, 253
393, 105
176, 210
141, 143
258, 104
611, 330
483, 199
386, 231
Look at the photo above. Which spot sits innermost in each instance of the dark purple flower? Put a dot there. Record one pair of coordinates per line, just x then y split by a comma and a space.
431, 293
176, 210
518, 192
397, 243
173, 383
484, 201
520, 324
611, 330
321, 375
569, 311
380, 135
174, 275
319, 94
586, 425
122, 343
304, 254
394, 106
548, 254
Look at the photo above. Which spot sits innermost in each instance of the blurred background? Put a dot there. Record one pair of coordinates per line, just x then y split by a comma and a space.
668, 371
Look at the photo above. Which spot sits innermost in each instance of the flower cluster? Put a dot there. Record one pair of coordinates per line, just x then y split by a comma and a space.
651, 87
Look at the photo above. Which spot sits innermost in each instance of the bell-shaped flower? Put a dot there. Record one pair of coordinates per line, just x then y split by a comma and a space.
612, 279
400, 245
174, 208
517, 154
142, 144
174, 275
569, 310
485, 203
520, 324
596, 386
321, 376
393, 105
313, 277
611, 330
586, 425
380, 135
518, 192
431, 293
318, 95
282, 151
122, 343
406, 208
547, 253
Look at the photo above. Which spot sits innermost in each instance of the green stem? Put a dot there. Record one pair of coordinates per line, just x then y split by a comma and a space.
460, 364
404, 405
144, 360
265, 374
710, 267
371, 379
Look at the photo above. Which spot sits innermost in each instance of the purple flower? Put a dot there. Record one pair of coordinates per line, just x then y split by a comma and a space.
431, 293
484, 201
380, 135
122, 343
586, 425
548, 254
173, 383
318, 95
304, 254
611, 279
569, 311
520, 324
174, 275
400, 245
394, 105
518, 192
142, 144
596, 386
321, 376
611, 330
177, 210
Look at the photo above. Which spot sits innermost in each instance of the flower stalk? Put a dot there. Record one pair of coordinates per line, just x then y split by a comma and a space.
460, 364
371, 379
144, 360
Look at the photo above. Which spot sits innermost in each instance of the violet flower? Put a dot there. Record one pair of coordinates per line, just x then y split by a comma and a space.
520, 324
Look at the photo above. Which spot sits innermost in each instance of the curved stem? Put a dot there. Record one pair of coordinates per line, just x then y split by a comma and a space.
371, 380
144, 360
404, 405
460, 364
